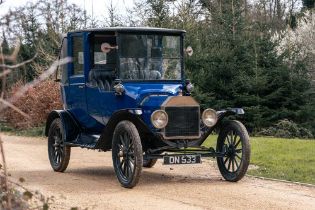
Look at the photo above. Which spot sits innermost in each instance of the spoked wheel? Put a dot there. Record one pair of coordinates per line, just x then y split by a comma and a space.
127, 154
58, 152
233, 141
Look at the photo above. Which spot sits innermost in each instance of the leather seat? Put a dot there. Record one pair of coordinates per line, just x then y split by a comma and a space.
101, 78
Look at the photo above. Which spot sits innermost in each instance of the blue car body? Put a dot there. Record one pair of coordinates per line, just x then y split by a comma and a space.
90, 112
125, 90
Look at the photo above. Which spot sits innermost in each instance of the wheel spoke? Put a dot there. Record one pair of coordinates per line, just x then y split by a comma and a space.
237, 143
122, 141
121, 163
236, 155
125, 167
225, 161
59, 158
236, 163
55, 157
231, 138
61, 152
132, 162
229, 166
238, 150
129, 169
228, 139
130, 146
234, 140
233, 165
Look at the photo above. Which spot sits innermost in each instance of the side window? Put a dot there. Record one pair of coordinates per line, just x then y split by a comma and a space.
63, 54
103, 60
78, 58
104, 52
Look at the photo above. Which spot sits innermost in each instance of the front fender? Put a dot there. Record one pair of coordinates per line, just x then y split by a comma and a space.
69, 125
132, 115
228, 112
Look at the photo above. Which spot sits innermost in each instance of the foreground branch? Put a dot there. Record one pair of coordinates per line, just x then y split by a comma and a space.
8, 104
18, 65
35, 82
6, 185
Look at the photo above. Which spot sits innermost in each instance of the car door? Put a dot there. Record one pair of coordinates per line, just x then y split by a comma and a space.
101, 99
76, 97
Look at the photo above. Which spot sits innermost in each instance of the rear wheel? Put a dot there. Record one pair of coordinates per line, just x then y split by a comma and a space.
127, 154
233, 141
58, 152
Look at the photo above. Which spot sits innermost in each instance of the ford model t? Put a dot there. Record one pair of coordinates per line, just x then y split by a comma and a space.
125, 90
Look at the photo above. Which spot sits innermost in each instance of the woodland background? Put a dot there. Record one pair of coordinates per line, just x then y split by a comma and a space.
254, 54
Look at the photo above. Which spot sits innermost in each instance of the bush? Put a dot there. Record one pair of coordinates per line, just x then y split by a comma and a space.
37, 103
286, 129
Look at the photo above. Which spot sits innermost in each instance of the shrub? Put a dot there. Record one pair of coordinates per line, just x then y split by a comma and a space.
37, 103
286, 129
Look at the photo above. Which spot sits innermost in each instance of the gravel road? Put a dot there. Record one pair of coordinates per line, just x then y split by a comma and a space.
90, 182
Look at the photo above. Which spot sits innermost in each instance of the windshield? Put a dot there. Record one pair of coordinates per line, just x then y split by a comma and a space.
150, 57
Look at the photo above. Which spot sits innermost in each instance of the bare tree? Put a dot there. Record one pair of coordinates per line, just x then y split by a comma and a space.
113, 18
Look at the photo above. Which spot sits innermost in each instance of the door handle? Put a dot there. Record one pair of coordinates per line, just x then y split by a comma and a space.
81, 86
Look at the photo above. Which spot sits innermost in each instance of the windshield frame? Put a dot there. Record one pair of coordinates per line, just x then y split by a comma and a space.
181, 56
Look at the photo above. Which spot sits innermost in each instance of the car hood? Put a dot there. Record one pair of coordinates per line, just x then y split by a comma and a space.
144, 92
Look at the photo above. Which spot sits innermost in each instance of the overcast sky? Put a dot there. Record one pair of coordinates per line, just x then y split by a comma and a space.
99, 6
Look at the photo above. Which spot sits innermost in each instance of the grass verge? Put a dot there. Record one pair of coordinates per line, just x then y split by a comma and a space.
287, 159
31, 132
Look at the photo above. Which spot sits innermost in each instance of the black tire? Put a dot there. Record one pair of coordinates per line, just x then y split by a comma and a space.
233, 140
58, 152
127, 154
149, 163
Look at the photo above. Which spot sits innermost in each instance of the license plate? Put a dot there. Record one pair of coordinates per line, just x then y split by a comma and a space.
181, 159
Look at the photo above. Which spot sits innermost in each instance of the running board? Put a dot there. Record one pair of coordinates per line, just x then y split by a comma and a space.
84, 141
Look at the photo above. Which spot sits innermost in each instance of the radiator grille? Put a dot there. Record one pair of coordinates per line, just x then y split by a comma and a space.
182, 121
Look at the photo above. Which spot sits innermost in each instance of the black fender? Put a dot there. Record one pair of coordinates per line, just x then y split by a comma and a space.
227, 112
70, 126
105, 140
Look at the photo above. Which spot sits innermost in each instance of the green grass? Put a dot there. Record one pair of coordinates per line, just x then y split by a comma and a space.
288, 159
32, 132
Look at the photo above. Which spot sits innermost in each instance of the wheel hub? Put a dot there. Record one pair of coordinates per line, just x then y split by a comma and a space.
121, 154
231, 151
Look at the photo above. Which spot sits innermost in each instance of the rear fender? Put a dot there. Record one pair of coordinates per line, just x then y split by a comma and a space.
69, 125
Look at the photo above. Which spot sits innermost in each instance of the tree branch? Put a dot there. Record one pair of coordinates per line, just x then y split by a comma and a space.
42, 77
18, 65
8, 104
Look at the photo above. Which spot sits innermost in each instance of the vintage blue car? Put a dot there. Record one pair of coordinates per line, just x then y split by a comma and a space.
125, 90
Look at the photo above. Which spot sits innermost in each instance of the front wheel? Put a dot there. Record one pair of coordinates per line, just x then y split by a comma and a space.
127, 154
233, 142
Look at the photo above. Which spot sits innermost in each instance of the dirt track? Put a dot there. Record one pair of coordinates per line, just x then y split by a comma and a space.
90, 182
